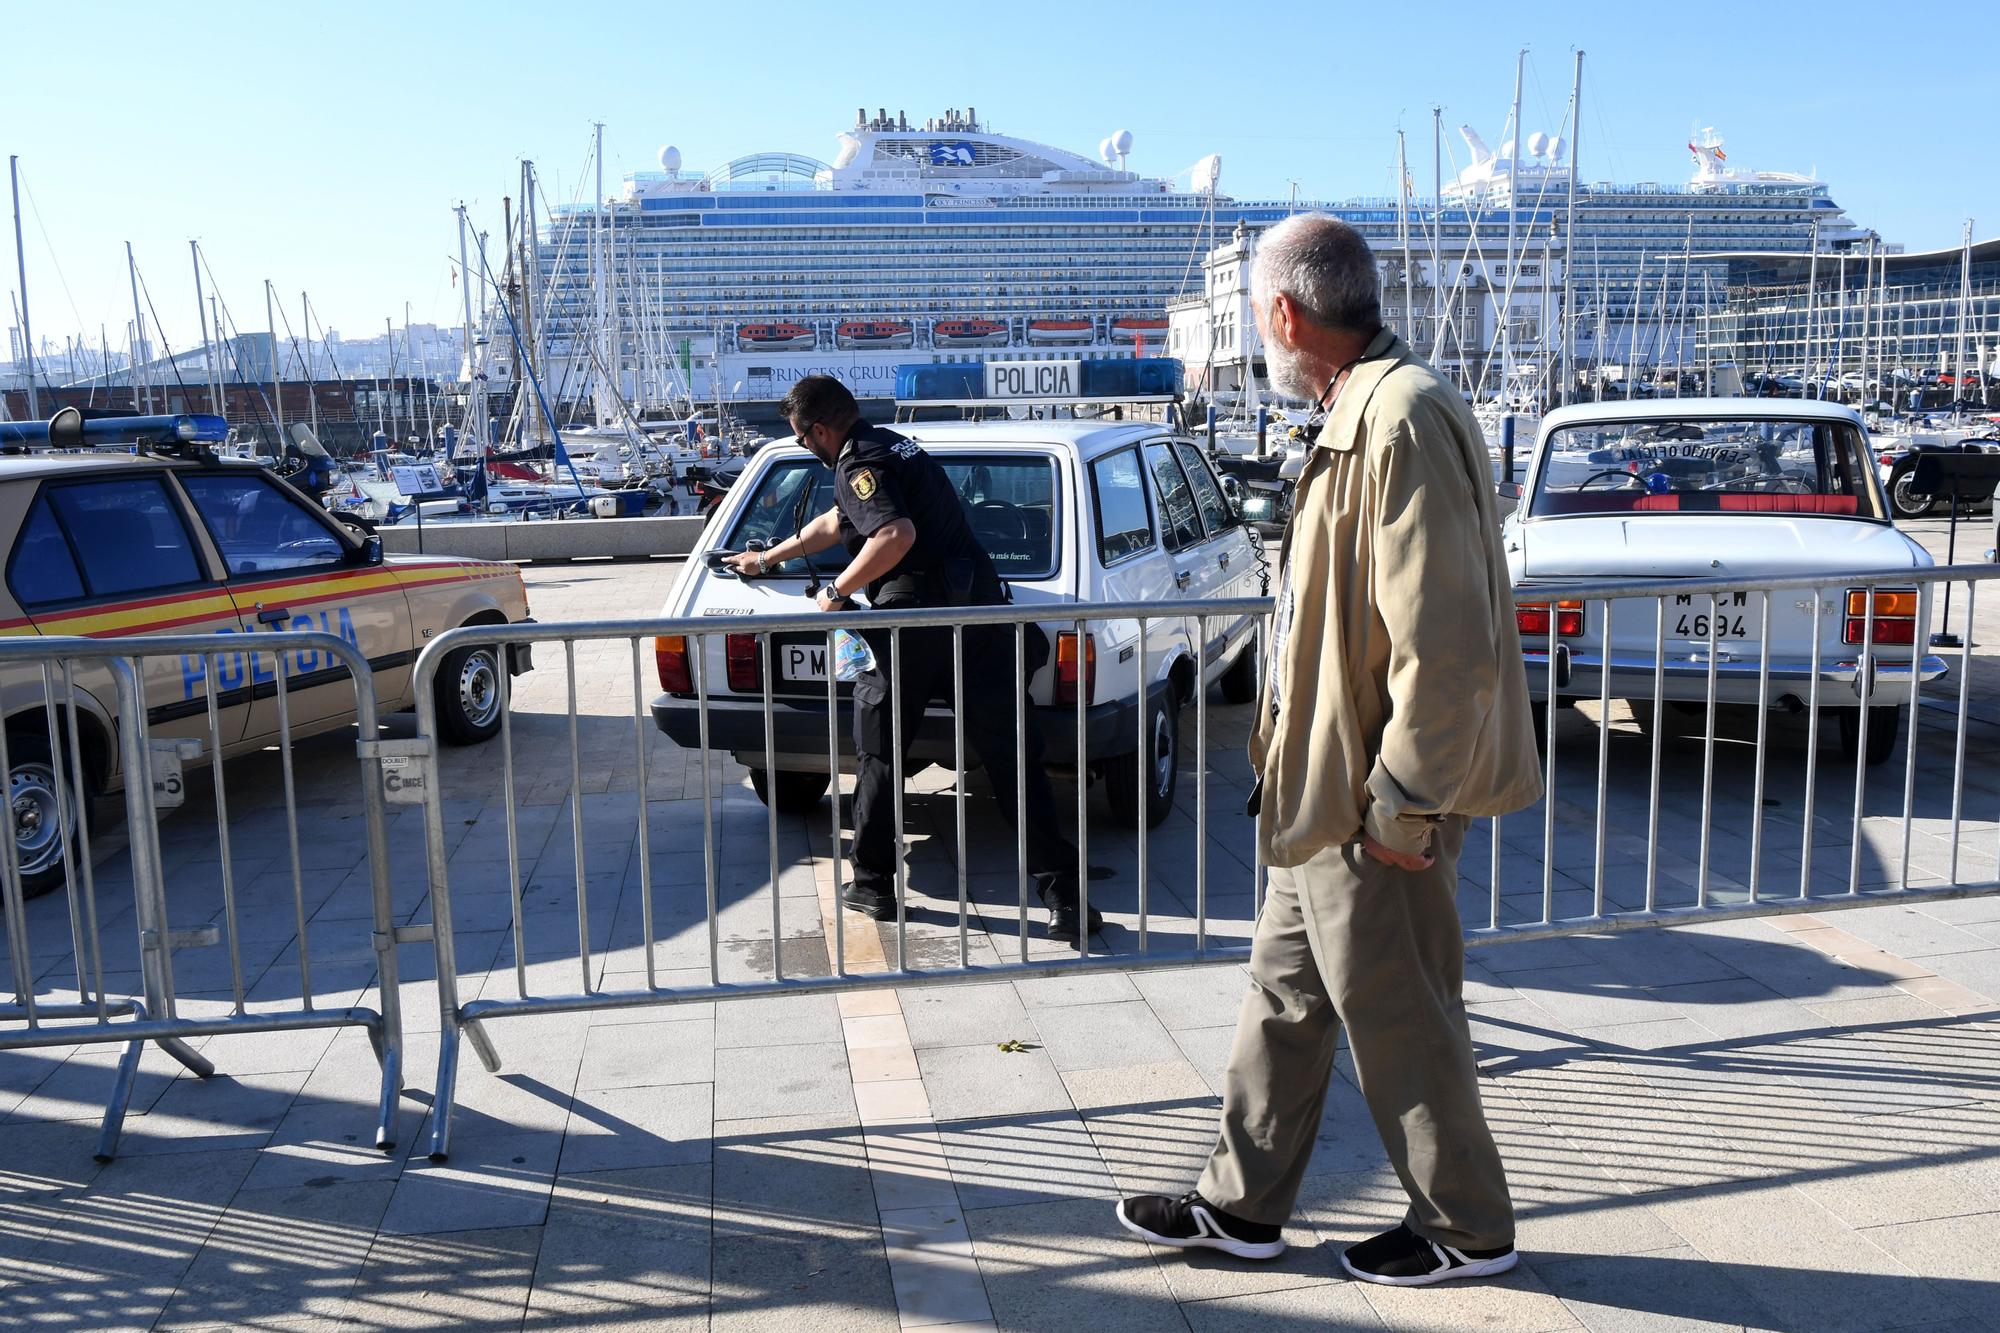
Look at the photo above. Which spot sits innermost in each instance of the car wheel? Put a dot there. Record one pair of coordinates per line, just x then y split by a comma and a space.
1161, 760
796, 793
40, 802
1904, 498
1239, 683
1884, 727
468, 695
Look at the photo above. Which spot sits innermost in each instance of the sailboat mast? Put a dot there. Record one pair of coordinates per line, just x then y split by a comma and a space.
207, 348
599, 263
138, 330
21, 266
1568, 350
1513, 213
1403, 226
478, 403
1437, 231
312, 393
277, 376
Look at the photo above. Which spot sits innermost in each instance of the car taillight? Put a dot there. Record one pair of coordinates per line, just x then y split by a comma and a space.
1532, 619
1068, 670
1895, 615
746, 672
670, 653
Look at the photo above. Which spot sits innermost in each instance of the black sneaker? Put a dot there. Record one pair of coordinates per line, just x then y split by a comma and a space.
1191, 1222
1402, 1258
877, 904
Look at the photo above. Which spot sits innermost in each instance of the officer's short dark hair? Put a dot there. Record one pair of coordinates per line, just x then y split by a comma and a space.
818, 399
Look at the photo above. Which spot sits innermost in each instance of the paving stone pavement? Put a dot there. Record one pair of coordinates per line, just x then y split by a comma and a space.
1784, 1123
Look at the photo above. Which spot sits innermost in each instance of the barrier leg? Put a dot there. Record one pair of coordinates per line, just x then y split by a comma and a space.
445, 1093
121, 1097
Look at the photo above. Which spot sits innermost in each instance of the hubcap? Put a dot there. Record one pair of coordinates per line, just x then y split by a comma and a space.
38, 818
1163, 752
1907, 495
479, 687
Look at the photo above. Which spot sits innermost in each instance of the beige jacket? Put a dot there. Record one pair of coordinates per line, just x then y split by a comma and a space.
1402, 689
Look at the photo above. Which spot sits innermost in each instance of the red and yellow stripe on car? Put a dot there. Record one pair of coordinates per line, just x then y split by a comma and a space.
158, 615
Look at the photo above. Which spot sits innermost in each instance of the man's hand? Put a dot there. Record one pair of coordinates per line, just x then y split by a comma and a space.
1400, 860
746, 564
829, 600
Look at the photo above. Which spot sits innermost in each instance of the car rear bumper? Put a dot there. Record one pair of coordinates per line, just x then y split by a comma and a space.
799, 732
1580, 675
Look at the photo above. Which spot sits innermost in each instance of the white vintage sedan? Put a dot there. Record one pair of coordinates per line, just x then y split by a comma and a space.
1717, 489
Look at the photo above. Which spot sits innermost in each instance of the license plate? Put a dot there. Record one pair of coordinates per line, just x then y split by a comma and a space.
802, 661
1728, 625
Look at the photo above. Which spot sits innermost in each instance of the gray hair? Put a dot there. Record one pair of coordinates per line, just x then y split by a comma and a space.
1325, 266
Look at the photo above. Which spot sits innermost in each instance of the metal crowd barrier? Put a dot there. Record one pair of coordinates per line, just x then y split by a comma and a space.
1208, 617
1872, 672
105, 717
1623, 892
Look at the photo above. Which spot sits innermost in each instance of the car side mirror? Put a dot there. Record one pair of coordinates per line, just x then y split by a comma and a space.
1232, 491
368, 553
1508, 490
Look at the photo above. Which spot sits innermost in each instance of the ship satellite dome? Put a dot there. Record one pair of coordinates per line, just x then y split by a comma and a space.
670, 158
1507, 149
1122, 141
1106, 151
1538, 144
1557, 147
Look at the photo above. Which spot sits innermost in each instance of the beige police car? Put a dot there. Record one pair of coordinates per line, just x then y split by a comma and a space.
110, 544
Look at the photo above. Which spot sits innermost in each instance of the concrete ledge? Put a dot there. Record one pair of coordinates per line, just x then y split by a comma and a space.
550, 539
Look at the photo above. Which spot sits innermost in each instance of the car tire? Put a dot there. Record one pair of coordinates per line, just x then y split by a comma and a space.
1884, 728
1903, 499
1162, 760
468, 693
1239, 683
796, 793
34, 790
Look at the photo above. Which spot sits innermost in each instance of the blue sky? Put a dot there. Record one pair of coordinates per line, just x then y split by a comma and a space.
323, 147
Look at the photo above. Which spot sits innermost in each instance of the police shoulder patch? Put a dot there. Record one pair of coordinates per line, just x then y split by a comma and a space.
863, 484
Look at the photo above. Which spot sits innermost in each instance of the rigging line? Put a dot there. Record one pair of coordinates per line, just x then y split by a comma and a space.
324, 345
222, 304
293, 338
168, 347
49, 246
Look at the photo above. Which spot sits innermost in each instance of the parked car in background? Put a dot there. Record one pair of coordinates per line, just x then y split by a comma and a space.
1070, 511
1716, 489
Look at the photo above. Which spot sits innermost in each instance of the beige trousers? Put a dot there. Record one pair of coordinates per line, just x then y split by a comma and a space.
1346, 940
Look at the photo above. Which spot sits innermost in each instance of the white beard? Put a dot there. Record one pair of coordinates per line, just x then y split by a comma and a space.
1286, 369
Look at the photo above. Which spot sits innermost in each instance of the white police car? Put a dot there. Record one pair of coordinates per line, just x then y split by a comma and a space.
1716, 489
1070, 511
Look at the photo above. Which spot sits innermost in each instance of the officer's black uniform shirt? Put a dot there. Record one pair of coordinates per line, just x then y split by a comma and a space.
879, 477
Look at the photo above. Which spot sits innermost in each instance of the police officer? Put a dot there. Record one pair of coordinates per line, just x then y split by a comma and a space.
910, 545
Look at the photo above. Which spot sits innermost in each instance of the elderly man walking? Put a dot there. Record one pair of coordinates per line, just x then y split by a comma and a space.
1395, 710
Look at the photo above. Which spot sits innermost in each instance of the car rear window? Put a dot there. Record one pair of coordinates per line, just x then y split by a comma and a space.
1010, 502
127, 534
1706, 466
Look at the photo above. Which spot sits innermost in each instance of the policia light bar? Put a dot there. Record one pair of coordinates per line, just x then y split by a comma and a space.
70, 429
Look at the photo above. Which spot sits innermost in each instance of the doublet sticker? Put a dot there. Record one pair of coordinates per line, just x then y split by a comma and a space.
864, 484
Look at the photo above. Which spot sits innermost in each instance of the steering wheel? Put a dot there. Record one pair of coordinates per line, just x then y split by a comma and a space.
1626, 478
1007, 510
1786, 483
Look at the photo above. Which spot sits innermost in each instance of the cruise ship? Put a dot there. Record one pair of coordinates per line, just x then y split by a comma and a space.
946, 241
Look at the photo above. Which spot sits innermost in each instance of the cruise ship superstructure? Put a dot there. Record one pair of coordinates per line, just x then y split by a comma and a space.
946, 241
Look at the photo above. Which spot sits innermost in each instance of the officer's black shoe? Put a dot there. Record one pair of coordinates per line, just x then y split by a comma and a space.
1061, 900
878, 904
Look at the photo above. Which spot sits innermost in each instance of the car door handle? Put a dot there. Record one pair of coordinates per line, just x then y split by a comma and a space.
1182, 579
1223, 559
275, 619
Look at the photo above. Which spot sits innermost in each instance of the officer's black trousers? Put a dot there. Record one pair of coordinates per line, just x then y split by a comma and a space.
994, 691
